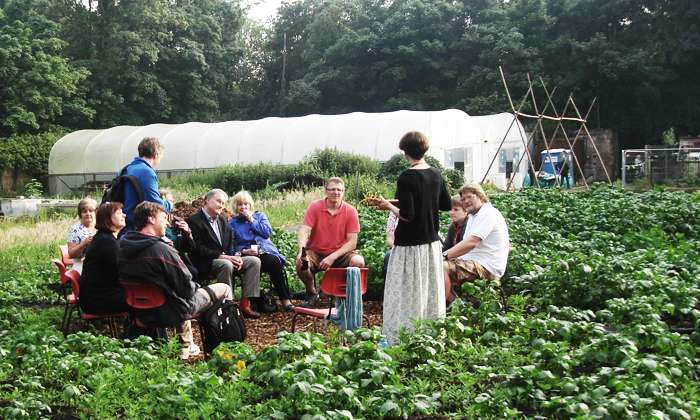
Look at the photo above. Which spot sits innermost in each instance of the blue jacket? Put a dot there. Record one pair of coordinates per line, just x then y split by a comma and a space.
258, 232
149, 183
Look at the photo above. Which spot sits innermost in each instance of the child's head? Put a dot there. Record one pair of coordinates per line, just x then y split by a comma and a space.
457, 214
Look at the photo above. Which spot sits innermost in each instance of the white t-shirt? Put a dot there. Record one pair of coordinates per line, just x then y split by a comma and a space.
488, 225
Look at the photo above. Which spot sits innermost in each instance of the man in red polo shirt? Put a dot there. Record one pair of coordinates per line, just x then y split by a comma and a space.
333, 225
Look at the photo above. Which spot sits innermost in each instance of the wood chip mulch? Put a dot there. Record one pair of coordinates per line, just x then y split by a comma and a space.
262, 332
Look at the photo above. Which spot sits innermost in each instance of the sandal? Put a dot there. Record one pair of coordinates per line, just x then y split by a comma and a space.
289, 308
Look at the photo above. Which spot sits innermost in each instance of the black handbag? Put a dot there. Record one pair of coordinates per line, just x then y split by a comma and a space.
267, 302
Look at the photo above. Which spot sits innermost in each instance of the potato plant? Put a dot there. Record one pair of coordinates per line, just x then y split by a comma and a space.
600, 323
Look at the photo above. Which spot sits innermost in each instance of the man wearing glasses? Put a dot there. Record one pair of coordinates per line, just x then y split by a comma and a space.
333, 226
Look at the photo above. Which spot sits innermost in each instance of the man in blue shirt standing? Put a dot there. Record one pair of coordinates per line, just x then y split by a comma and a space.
143, 168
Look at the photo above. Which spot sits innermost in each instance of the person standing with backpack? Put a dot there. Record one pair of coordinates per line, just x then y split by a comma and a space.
143, 169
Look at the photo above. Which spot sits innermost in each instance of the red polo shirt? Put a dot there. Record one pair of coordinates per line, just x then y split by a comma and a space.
328, 231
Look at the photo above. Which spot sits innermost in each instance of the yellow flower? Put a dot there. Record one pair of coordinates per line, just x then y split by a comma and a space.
240, 366
229, 356
221, 353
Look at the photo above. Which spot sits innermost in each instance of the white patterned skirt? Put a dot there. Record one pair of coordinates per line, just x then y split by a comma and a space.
414, 287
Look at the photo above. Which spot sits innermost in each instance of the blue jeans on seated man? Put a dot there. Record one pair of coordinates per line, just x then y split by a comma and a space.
386, 261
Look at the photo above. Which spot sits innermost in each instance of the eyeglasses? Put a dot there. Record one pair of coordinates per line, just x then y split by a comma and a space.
334, 190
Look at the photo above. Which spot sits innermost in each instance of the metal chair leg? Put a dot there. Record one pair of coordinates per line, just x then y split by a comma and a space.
67, 315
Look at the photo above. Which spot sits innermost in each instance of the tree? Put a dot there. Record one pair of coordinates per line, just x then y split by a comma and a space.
37, 86
155, 61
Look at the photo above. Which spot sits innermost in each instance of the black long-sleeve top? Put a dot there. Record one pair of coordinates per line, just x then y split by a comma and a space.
422, 193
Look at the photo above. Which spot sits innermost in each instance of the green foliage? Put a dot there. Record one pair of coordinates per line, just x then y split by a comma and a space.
669, 138
322, 163
33, 188
331, 162
441, 54
391, 170
597, 280
393, 167
37, 86
28, 153
311, 379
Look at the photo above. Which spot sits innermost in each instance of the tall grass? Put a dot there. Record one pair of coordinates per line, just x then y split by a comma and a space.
286, 208
24, 241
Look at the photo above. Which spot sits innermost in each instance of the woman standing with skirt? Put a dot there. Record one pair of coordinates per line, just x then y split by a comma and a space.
414, 281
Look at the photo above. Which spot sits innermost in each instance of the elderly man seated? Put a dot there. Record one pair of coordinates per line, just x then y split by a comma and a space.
145, 257
483, 252
216, 252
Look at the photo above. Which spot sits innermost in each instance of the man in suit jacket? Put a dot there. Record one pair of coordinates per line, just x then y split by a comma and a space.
216, 252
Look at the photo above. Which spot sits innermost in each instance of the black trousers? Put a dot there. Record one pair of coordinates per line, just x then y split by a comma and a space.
271, 264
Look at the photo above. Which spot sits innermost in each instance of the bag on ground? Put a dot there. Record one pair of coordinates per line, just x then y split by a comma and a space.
222, 323
267, 303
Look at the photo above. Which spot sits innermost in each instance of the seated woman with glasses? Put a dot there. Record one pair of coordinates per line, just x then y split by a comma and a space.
252, 232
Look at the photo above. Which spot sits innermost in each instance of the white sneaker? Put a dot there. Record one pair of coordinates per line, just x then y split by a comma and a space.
192, 350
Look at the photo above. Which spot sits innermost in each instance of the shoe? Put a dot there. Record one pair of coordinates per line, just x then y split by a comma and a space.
310, 299
192, 350
288, 308
249, 313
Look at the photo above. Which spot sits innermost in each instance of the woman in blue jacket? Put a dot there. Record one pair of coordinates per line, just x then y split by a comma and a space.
252, 232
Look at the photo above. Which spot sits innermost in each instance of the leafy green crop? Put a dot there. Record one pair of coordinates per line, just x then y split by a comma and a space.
600, 285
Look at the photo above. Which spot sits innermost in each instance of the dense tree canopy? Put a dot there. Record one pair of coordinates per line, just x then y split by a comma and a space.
637, 58
99, 63
37, 85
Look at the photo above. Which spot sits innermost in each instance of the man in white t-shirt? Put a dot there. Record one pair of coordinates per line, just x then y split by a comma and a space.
483, 253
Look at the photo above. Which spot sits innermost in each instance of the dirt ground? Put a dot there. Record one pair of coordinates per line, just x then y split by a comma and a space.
261, 332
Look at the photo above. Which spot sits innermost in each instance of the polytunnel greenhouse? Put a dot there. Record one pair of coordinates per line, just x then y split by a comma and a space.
457, 140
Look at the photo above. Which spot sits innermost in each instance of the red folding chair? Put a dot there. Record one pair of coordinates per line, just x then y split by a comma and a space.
62, 276
73, 302
150, 296
333, 284
65, 258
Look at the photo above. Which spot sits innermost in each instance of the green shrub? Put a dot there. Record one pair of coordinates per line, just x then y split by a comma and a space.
258, 177
331, 162
391, 170
359, 187
393, 167
28, 153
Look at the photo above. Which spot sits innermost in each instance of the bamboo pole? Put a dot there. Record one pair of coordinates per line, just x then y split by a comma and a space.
544, 136
525, 144
607, 175
578, 165
508, 131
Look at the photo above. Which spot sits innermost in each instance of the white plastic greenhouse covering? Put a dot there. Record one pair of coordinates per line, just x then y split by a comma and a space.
457, 140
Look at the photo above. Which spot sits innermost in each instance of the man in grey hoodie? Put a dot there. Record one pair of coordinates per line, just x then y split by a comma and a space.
144, 257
